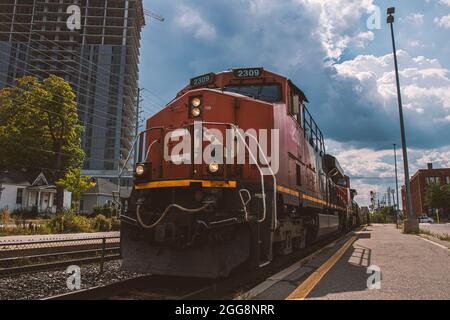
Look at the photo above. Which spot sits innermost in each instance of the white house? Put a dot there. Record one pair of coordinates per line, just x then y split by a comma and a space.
20, 189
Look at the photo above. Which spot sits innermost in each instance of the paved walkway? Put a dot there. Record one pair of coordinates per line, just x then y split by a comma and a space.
49, 237
411, 268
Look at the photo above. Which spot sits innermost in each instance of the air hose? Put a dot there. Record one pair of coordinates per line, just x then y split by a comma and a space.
173, 205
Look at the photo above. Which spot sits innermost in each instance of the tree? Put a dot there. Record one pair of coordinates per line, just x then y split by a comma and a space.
438, 197
75, 183
39, 128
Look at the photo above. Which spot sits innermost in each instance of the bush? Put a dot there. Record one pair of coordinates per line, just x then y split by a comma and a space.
106, 211
115, 224
23, 213
68, 221
5, 216
102, 223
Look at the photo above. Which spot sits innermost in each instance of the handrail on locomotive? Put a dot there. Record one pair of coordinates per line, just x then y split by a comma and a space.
141, 138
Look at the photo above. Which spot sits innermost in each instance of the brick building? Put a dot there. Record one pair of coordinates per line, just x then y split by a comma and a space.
419, 181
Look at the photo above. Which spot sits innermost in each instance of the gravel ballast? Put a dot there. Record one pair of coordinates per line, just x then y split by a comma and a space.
43, 284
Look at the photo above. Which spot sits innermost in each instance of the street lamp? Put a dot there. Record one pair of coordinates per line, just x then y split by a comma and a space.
396, 180
411, 224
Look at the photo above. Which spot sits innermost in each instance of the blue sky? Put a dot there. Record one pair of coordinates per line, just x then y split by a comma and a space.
326, 47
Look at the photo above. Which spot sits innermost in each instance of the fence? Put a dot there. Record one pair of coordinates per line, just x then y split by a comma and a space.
17, 257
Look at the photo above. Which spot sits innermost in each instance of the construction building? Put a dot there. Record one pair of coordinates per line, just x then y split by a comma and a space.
92, 44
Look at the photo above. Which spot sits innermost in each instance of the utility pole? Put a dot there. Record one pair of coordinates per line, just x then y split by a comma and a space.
396, 180
411, 224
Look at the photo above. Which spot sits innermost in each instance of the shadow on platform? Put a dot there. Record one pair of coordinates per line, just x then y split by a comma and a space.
349, 273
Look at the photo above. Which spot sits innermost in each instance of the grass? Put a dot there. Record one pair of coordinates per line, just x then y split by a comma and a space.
440, 236
62, 223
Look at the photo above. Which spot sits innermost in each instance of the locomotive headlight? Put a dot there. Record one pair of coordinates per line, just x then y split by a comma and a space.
213, 167
140, 170
196, 102
195, 107
195, 112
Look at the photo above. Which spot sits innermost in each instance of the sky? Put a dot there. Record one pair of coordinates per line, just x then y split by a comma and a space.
339, 52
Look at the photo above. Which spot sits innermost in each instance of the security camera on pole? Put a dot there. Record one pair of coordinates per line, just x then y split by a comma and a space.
411, 224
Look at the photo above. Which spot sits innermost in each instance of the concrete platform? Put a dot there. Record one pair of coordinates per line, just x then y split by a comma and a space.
410, 268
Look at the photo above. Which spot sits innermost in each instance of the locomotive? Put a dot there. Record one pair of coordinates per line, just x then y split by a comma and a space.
233, 172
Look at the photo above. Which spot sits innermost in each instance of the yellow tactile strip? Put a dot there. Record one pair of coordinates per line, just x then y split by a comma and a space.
311, 282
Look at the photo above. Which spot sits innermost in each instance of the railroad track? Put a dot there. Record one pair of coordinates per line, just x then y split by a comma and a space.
178, 288
26, 256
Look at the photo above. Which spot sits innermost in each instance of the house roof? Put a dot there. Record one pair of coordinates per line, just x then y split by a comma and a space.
23, 177
102, 186
106, 187
17, 177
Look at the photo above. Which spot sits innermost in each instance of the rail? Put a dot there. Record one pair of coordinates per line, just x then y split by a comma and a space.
25, 256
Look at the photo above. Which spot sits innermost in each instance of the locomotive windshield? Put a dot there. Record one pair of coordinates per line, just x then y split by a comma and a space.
266, 92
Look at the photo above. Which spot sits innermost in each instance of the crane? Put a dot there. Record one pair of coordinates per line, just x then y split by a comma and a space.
153, 15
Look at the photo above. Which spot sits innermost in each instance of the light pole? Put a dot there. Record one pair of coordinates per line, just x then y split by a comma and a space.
396, 180
411, 224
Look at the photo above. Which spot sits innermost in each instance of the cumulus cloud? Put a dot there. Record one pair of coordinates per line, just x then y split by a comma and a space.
416, 18
337, 23
443, 22
426, 97
190, 20
374, 170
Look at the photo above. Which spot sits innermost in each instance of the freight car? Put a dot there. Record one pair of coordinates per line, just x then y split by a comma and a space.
232, 172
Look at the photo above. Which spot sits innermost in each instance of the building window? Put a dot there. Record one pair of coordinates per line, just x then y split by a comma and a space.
431, 180
447, 180
19, 197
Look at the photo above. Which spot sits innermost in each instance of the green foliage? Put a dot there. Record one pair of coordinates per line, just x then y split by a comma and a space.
68, 221
39, 127
75, 183
101, 223
383, 215
105, 210
437, 196
115, 224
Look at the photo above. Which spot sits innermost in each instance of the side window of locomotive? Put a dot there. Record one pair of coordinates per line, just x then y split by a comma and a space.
296, 108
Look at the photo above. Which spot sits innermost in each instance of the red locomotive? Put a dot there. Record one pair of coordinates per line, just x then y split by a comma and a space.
276, 190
